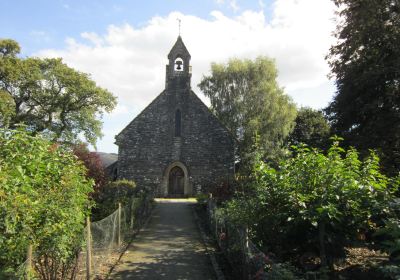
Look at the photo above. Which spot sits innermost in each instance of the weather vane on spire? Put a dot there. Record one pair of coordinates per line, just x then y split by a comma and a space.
179, 25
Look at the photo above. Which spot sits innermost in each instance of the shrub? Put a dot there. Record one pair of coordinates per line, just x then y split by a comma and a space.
314, 201
43, 201
202, 198
94, 167
391, 242
120, 191
221, 190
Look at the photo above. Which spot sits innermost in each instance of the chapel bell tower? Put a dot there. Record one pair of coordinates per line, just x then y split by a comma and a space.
178, 71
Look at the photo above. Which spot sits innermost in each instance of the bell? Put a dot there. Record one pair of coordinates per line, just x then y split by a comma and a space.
179, 65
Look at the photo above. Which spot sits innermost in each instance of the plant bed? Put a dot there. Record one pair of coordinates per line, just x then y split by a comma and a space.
212, 245
361, 263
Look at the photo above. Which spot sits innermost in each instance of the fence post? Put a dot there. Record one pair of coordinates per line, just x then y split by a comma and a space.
29, 262
88, 250
132, 213
119, 224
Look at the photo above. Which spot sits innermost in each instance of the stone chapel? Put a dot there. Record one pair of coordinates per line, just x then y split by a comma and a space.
175, 146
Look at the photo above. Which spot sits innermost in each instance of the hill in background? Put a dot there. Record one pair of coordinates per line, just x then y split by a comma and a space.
107, 158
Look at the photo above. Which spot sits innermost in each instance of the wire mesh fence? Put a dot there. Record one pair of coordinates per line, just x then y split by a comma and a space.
243, 255
109, 236
102, 243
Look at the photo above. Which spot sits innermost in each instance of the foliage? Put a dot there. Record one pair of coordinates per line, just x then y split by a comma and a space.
365, 63
9, 47
391, 243
311, 129
391, 271
202, 198
94, 167
221, 190
121, 191
281, 271
314, 201
389, 235
52, 98
247, 99
43, 200
7, 108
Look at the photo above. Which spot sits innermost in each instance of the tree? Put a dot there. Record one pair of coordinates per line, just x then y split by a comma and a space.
9, 47
311, 128
43, 203
247, 99
51, 98
365, 63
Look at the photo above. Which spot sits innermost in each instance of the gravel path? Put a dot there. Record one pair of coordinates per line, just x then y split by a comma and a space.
169, 247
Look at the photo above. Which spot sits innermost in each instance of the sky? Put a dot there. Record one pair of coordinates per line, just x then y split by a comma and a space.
123, 44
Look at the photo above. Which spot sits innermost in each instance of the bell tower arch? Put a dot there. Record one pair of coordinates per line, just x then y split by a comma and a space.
178, 70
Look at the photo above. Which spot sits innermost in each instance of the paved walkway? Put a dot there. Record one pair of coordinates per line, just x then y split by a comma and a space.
169, 247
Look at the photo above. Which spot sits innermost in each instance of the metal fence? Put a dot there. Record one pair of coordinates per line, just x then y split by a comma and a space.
104, 241
246, 259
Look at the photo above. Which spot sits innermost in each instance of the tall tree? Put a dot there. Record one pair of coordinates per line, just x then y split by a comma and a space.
366, 65
52, 98
311, 128
247, 99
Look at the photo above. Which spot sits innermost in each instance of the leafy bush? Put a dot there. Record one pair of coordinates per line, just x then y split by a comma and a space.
221, 190
202, 198
389, 235
391, 271
94, 167
43, 201
313, 201
121, 191
391, 243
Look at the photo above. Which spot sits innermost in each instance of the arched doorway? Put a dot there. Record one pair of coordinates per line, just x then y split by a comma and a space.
167, 183
176, 182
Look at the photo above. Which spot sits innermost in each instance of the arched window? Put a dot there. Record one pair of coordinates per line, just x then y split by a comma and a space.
178, 123
178, 64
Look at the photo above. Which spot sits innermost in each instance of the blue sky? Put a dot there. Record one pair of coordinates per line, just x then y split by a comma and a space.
46, 23
123, 44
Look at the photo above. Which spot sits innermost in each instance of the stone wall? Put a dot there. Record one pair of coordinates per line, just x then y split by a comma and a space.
148, 145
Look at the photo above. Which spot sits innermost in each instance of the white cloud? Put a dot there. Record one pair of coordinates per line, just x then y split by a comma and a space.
93, 38
234, 6
130, 61
119, 110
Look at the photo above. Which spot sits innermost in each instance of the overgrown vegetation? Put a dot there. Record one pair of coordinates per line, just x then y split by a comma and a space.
112, 193
314, 204
43, 203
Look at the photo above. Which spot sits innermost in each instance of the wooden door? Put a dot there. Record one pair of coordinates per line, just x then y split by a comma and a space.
176, 182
